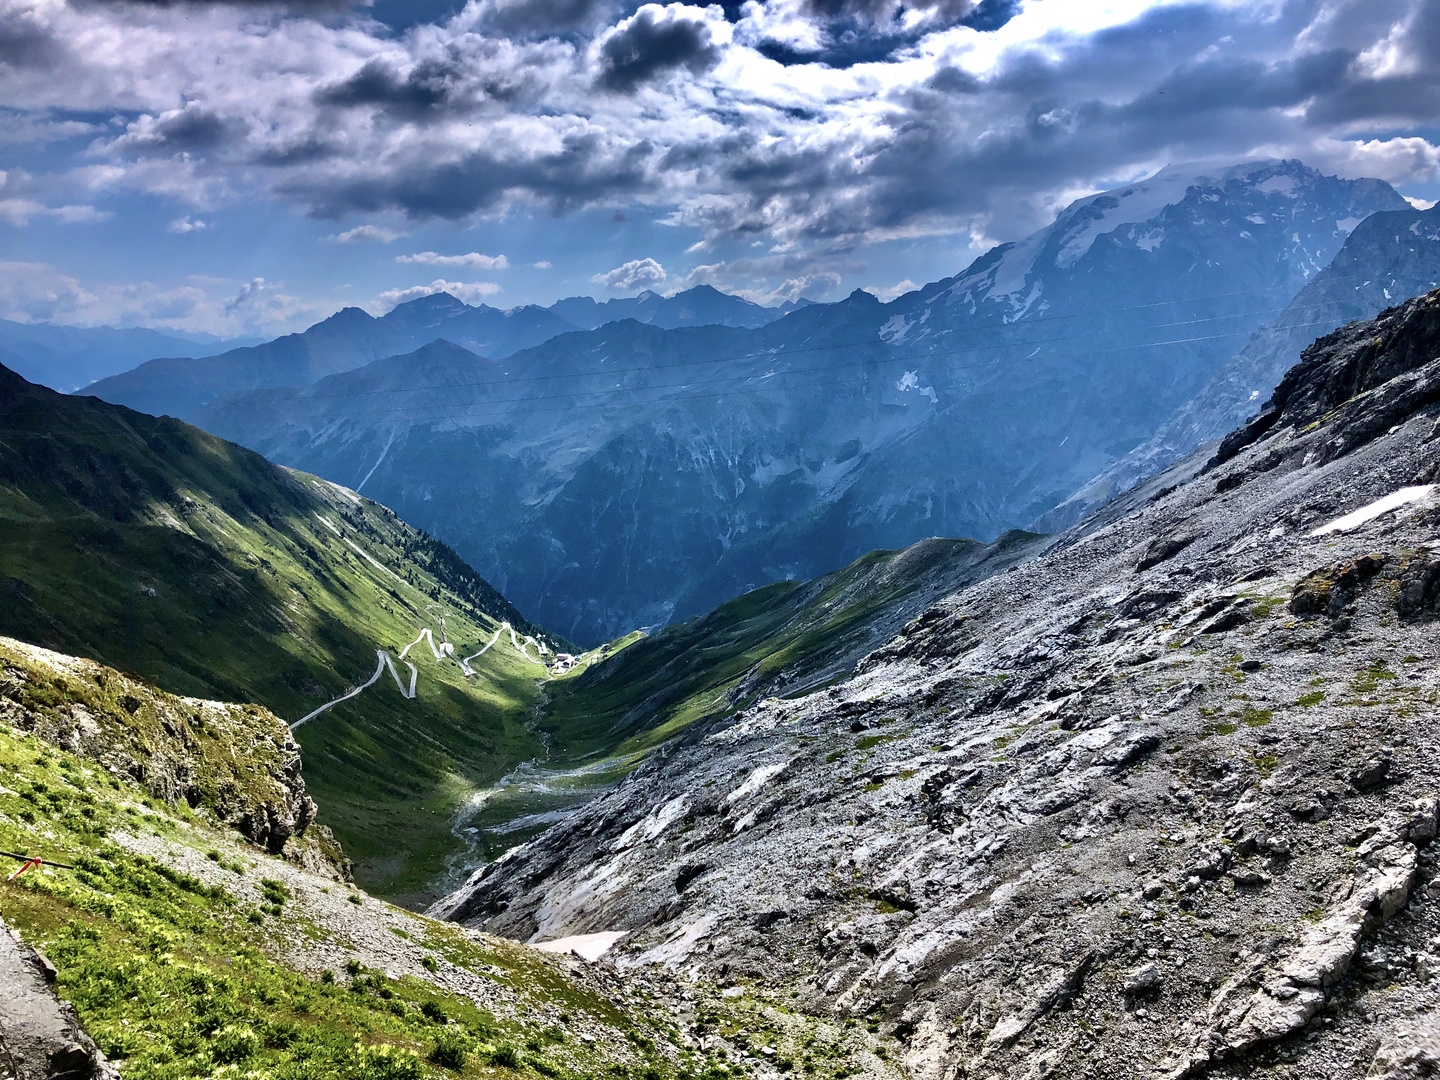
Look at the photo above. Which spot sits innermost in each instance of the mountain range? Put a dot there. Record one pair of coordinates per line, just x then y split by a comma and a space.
632, 475
66, 358
1391, 255
178, 385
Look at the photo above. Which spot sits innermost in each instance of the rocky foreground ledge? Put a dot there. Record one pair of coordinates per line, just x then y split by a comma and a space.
1159, 802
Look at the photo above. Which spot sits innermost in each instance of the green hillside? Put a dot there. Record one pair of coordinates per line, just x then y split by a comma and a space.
781, 640
206, 570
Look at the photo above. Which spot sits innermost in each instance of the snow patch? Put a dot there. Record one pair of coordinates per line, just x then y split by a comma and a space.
1151, 240
911, 381
1277, 184
586, 946
896, 328
1348, 224
1371, 511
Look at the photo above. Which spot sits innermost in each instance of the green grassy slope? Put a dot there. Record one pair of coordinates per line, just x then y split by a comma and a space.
189, 954
150, 546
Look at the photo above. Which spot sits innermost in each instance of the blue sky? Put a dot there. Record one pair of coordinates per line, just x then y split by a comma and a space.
248, 168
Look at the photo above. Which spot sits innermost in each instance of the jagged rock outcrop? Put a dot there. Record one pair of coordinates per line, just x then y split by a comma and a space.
1136, 807
239, 762
40, 1035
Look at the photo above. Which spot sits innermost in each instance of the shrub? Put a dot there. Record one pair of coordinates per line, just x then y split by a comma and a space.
234, 1043
387, 1063
448, 1051
433, 1010
503, 1056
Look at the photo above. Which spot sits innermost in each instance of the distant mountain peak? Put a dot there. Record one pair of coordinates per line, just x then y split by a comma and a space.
435, 303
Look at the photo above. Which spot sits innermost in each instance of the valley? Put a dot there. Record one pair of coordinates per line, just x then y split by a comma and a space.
1166, 791
771, 540
638, 475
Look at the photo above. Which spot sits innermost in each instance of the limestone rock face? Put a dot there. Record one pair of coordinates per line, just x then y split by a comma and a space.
1103, 814
40, 1036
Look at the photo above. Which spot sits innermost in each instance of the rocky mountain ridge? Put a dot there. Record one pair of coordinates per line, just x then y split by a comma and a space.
178, 385
1160, 801
633, 476
1390, 255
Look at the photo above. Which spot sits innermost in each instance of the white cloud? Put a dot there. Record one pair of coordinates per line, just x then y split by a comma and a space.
19, 204
900, 288
470, 292
635, 274
474, 260
186, 225
543, 265
39, 292
367, 232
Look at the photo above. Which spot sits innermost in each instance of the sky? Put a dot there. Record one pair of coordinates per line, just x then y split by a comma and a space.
248, 168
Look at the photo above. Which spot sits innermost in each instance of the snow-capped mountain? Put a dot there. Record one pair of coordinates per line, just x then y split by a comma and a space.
632, 475
1390, 257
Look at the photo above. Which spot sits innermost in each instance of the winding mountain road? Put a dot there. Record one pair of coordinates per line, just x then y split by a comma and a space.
382, 659
442, 651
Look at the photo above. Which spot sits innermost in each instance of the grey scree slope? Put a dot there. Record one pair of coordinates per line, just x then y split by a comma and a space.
1158, 802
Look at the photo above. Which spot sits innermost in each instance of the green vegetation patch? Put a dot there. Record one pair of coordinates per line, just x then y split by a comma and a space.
152, 547
176, 980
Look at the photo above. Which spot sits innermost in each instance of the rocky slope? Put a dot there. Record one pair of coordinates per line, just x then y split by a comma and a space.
644, 693
634, 475
1389, 256
238, 762
1161, 801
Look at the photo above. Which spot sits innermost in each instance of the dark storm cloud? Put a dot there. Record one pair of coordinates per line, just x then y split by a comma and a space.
544, 18
1409, 93
377, 83
581, 172
655, 42
27, 43
882, 11
192, 130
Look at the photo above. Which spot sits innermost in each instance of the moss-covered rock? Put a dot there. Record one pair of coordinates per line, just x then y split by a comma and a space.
239, 762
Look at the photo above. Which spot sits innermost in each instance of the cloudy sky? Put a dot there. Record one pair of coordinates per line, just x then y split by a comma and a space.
248, 167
